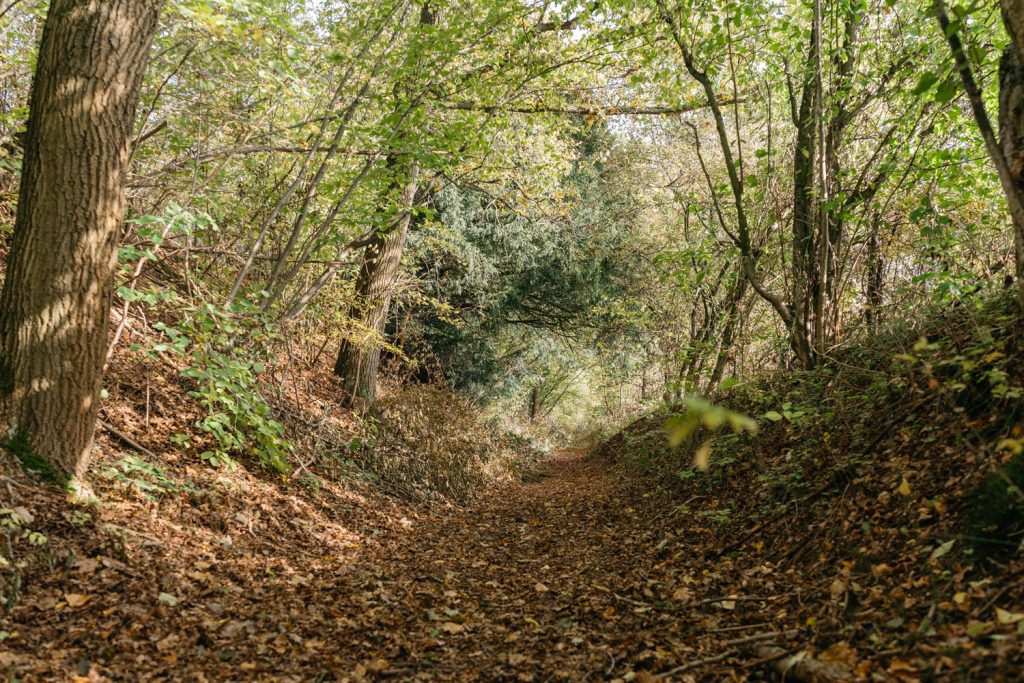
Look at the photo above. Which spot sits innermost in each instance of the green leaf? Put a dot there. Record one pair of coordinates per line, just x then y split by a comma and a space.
947, 91
925, 83
942, 549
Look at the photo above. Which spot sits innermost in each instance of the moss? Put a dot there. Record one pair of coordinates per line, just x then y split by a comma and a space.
19, 446
995, 510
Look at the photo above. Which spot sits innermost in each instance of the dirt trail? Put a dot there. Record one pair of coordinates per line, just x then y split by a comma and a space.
558, 579
544, 577
564, 577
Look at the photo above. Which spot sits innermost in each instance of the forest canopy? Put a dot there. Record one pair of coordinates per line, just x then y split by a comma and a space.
607, 202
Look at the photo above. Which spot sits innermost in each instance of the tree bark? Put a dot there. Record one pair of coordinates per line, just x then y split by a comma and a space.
805, 154
875, 277
1011, 119
1006, 157
736, 296
358, 361
56, 298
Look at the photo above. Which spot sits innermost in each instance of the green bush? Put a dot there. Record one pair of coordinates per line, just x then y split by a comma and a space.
227, 350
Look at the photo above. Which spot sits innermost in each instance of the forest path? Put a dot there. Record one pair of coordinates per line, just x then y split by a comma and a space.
564, 578
580, 573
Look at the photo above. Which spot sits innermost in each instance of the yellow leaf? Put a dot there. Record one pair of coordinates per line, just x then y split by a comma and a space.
540, 587
1008, 617
942, 549
76, 599
702, 458
904, 488
451, 627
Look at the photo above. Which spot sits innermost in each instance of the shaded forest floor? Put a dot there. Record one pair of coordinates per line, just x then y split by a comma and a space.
560, 577
576, 573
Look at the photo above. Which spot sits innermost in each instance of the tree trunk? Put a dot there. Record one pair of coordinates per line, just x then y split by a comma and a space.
1005, 155
875, 277
736, 296
1011, 118
56, 298
805, 153
358, 362
534, 403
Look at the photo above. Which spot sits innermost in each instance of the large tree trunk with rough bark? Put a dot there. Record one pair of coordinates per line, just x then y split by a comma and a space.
56, 297
358, 360
1011, 117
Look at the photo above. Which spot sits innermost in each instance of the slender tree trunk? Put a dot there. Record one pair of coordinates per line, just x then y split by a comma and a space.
805, 154
875, 277
56, 298
748, 259
736, 296
358, 361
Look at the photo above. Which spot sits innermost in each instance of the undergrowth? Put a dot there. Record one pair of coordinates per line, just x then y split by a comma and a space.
953, 381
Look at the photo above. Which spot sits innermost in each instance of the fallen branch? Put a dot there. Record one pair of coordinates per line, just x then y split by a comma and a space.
726, 629
800, 667
699, 662
124, 438
745, 598
759, 637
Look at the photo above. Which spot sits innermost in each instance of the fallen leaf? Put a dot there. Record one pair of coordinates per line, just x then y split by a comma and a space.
26, 516
1007, 617
75, 599
841, 653
942, 549
167, 643
87, 565
451, 627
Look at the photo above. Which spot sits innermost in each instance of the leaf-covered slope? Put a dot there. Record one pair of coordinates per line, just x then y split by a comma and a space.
882, 497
